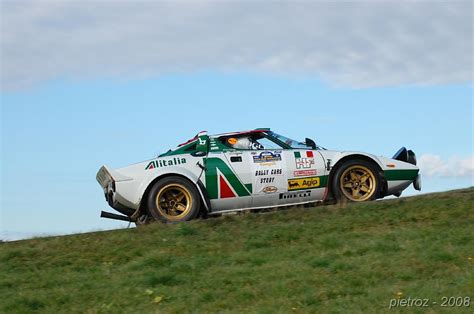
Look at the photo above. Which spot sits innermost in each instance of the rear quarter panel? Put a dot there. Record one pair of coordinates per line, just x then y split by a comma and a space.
143, 174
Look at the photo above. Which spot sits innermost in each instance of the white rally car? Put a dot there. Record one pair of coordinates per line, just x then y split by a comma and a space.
249, 170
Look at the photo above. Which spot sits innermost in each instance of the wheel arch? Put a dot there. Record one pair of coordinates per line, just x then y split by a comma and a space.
356, 156
204, 197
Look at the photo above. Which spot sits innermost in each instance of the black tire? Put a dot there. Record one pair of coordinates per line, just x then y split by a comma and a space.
353, 172
173, 199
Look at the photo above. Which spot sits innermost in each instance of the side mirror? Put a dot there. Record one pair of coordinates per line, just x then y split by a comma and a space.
309, 142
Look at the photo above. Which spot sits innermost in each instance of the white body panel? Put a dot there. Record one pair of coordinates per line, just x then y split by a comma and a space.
129, 191
235, 180
383, 162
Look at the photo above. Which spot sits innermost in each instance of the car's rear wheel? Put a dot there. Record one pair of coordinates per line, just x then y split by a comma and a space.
173, 199
356, 181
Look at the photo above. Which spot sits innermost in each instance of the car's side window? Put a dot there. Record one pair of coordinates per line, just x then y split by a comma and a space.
268, 144
249, 142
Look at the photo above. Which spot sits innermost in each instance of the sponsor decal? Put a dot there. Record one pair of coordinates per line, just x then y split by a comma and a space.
165, 163
202, 141
267, 180
269, 189
295, 194
265, 157
267, 172
305, 173
304, 162
303, 183
232, 141
213, 145
221, 181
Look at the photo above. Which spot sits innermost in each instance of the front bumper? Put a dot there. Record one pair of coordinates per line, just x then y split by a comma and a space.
417, 183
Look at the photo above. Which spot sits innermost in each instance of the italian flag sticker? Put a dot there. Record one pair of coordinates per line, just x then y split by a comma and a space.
309, 154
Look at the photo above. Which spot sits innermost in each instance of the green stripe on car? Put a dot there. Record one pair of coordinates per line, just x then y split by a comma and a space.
212, 164
399, 175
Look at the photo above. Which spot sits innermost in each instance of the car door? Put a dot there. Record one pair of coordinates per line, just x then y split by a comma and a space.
269, 176
243, 173
227, 176
306, 172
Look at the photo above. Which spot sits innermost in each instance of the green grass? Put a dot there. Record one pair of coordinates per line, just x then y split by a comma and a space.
324, 259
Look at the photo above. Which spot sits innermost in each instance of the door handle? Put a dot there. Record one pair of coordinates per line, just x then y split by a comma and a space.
236, 159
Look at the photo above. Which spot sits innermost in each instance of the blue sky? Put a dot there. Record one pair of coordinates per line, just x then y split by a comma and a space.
65, 113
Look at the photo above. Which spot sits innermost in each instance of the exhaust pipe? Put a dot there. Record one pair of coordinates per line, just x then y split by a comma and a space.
115, 216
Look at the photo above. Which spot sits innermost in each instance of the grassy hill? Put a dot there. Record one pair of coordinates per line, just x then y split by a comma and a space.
327, 258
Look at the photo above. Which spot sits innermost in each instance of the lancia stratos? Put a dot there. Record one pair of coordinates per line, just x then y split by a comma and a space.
257, 169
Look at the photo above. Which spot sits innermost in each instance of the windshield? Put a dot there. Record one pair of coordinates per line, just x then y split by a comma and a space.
290, 142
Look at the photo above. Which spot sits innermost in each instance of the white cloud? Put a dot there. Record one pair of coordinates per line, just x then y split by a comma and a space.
433, 166
355, 44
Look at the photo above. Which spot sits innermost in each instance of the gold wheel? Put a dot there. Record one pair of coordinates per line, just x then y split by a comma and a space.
174, 201
358, 183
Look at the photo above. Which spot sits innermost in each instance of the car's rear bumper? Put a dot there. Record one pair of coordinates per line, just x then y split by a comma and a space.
107, 180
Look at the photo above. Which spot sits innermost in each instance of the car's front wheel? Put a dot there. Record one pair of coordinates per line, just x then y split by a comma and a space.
356, 181
173, 199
